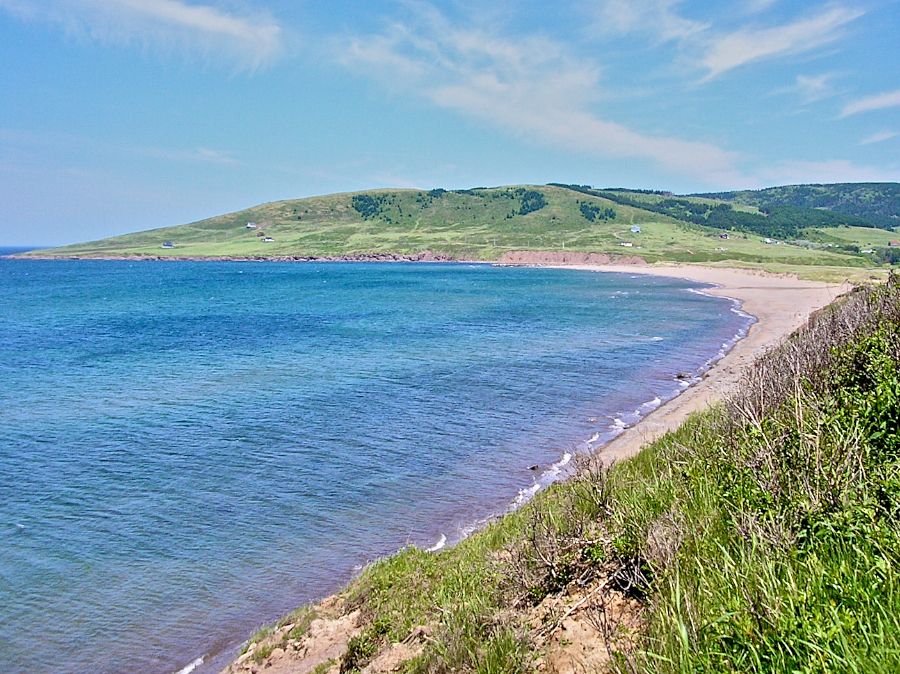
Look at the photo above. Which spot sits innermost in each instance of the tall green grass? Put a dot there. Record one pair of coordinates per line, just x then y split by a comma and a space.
782, 508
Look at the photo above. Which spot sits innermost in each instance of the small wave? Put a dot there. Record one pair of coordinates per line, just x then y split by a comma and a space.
557, 467
547, 477
652, 404
442, 541
191, 667
657, 339
593, 438
525, 495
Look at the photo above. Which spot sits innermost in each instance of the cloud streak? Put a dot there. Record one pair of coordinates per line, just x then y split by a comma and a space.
643, 16
879, 137
530, 87
751, 45
202, 31
880, 102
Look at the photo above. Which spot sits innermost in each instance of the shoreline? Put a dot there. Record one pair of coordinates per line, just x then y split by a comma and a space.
779, 304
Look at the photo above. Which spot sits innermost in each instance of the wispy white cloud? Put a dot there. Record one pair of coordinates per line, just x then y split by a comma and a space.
889, 100
815, 88
750, 45
193, 30
756, 6
529, 86
879, 137
833, 171
811, 88
642, 16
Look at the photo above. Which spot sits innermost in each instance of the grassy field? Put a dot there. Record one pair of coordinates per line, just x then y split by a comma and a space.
861, 236
478, 224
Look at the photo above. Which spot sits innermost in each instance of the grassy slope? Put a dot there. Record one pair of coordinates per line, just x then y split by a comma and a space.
762, 536
473, 224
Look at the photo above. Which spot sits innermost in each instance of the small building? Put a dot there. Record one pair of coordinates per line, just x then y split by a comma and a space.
893, 244
768, 241
627, 244
867, 250
168, 244
635, 229
723, 235
251, 225
268, 239
260, 234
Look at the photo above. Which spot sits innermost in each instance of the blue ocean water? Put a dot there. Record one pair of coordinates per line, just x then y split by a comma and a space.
188, 450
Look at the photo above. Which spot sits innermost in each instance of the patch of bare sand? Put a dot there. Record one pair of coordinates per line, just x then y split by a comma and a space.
320, 648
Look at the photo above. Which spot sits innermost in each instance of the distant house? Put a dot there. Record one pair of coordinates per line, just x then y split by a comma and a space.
894, 244
627, 244
768, 241
268, 239
723, 235
251, 225
635, 229
867, 250
260, 234
168, 244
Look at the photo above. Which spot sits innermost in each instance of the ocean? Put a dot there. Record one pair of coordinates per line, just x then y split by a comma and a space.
191, 449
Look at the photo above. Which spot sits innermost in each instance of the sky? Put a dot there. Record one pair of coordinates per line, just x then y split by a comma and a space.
125, 115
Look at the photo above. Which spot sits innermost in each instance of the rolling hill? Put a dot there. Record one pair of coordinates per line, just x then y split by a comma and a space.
485, 223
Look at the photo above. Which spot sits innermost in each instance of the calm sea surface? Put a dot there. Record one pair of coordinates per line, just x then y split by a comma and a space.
188, 450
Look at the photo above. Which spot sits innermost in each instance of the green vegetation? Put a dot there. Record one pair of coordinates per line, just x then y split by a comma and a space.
878, 203
761, 536
777, 221
484, 223
593, 212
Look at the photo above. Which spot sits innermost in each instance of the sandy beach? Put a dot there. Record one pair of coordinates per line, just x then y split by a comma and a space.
780, 303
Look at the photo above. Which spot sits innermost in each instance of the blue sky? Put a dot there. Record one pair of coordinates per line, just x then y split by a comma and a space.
124, 115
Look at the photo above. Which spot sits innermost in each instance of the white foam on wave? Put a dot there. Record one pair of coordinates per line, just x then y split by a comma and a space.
442, 541
548, 477
593, 438
657, 339
190, 667
652, 404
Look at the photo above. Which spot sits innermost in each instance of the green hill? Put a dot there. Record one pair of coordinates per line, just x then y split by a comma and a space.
485, 223
877, 202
